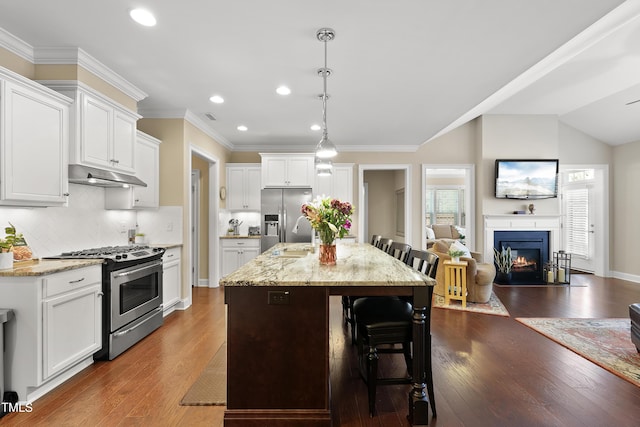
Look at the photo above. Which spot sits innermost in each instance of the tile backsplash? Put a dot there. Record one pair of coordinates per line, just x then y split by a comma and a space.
86, 224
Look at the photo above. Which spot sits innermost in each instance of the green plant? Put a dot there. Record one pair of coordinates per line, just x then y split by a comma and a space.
503, 259
456, 253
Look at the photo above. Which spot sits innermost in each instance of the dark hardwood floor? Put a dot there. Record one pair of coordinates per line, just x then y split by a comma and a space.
488, 370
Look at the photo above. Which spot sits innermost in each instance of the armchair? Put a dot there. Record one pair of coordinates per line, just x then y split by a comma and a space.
479, 275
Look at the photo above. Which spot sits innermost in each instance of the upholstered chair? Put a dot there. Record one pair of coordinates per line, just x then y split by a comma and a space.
479, 275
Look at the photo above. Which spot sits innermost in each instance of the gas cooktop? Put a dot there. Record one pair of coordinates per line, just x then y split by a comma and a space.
114, 253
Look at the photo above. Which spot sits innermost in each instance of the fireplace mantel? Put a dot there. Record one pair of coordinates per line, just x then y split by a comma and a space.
493, 223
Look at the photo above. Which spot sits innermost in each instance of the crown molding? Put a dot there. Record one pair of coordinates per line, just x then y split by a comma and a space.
190, 117
77, 56
16, 46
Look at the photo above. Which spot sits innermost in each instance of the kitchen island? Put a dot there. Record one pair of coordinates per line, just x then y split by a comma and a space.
278, 331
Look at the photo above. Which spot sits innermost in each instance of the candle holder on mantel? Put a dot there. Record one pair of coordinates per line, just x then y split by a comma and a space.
562, 261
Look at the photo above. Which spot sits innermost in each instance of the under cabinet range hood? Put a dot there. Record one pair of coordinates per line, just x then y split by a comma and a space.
80, 174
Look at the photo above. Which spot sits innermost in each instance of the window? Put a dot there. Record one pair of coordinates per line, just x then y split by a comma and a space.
445, 205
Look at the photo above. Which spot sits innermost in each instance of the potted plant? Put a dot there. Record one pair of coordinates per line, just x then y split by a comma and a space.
455, 254
19, 247
504, 262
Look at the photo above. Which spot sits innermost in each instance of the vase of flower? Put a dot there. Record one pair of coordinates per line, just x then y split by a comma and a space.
331, 219
327, 254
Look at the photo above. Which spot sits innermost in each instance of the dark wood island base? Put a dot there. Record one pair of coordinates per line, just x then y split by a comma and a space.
278, 334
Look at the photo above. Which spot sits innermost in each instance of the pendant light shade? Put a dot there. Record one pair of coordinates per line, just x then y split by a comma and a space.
324, 166
325, 148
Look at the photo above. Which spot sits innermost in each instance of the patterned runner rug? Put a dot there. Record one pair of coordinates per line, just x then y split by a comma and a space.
494, 306
605, 342
211, 386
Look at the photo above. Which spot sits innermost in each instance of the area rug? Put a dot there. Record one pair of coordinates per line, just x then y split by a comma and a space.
605, 342
211, 386
494, 306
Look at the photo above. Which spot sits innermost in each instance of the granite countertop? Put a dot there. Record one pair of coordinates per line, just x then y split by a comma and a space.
240, 236
46, 266
358, 264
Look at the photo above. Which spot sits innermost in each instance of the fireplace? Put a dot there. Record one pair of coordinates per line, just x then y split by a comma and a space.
529, 251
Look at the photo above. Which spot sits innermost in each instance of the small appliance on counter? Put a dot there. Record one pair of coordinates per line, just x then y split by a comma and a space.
254, 231
235, 225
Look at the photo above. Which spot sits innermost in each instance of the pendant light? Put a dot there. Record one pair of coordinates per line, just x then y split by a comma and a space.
325, 148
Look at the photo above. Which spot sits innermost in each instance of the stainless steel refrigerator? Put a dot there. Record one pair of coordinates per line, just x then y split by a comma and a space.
281, 210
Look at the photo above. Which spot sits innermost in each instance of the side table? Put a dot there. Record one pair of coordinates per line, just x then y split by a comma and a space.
455, 282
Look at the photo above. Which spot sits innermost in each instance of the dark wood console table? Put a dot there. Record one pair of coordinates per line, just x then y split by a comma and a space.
278, 332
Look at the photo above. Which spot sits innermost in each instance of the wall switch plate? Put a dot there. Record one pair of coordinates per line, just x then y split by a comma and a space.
278, 297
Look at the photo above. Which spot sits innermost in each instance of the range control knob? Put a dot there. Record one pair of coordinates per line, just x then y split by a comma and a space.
124, 255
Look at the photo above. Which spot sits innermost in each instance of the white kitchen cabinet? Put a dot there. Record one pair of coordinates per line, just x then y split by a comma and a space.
103, 132
338, 185
56, 330
34, 136
236, 252
147, 165
243, 186
171, 273
287, 170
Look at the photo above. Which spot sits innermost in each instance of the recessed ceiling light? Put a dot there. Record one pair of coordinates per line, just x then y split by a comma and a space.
216, 99
315, 127
242, 128
283, 90
143, 17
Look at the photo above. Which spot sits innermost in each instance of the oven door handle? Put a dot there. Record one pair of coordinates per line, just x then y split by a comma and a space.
137, 270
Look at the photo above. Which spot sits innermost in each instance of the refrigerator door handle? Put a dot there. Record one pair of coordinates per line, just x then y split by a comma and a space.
284, 226
280, 218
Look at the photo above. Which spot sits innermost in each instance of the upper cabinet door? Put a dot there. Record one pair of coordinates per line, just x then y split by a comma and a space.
124, 141
34, 140
274, 172
96, 129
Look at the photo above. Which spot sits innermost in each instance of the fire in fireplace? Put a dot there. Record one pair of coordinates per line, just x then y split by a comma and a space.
529, 251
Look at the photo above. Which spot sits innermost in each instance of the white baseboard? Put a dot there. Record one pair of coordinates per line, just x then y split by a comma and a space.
625, 276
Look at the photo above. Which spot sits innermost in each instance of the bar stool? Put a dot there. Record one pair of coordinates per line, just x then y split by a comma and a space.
455, 281
388, 320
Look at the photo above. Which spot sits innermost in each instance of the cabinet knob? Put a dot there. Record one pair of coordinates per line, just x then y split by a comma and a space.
101, 294
66, 194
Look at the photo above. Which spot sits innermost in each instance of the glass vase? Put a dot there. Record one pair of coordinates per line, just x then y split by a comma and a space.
327, 254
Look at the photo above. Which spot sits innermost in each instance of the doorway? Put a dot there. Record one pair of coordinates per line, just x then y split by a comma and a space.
448, 197
388, 206
584, 216
205, 224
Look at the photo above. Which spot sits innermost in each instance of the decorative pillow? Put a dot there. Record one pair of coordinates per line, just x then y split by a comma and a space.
430, 234
460, 247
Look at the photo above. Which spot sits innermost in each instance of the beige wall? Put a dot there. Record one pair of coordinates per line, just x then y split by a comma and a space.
17, 64
625, 208
382, 203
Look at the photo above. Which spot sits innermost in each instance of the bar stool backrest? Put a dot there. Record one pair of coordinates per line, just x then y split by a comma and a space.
424, 261
400, 251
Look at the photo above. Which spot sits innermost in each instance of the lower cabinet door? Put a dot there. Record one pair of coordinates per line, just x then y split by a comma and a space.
72, 328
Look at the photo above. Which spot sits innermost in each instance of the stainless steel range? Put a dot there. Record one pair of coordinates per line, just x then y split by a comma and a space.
132, 285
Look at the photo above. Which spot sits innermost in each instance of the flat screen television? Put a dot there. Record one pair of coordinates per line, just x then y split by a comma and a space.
526, 179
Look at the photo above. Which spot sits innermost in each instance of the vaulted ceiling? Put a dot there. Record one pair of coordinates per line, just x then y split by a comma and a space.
403, 71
